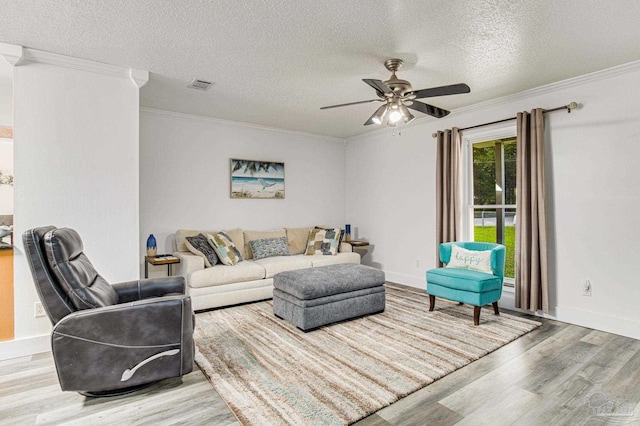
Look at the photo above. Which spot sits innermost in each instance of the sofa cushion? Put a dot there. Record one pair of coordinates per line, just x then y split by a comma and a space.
297, 239
273, 265
269, 247
222, 274
470, 259
200, 246
258, 235
346, 257
323, 242
224, 247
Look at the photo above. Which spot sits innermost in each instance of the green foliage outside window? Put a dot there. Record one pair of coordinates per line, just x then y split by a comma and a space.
484, 173
488, 190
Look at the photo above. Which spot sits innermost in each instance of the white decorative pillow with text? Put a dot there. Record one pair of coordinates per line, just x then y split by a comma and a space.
470, 259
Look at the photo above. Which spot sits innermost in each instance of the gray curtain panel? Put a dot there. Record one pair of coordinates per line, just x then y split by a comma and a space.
448, 191
532, 288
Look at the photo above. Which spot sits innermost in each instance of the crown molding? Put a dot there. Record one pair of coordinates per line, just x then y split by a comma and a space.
43, 57
229, 123
553, 87
12, 53
139, 77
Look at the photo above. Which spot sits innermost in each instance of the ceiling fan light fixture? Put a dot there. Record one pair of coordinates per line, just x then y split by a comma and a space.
394, 115
406, 115
378, 117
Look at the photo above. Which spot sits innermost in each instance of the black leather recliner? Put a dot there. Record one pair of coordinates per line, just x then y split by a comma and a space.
108, 339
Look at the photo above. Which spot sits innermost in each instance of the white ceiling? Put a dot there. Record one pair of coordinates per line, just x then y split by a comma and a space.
276, 62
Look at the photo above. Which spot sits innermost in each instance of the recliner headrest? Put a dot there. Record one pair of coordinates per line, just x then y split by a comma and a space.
77, 276
65, 242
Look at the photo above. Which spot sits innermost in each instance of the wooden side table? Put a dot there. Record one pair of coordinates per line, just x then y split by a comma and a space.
358, 243
159, 261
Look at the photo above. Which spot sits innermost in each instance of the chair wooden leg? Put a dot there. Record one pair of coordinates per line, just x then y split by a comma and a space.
476, 315
432, 302
495, 308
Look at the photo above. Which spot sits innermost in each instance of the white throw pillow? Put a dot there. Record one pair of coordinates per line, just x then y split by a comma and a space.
470, 259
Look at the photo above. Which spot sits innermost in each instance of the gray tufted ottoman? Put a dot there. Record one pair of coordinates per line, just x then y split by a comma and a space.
310, 298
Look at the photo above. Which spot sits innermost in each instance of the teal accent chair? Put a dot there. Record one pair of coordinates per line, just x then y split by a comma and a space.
468, 286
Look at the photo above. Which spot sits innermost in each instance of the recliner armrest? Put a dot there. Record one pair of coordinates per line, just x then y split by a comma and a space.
124, 345
131, 291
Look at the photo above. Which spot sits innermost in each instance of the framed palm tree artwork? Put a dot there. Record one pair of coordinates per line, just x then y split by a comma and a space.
257, 179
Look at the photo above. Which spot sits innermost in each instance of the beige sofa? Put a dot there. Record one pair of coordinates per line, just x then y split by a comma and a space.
249, 280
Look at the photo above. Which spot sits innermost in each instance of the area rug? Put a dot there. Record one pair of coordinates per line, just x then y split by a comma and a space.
271, 373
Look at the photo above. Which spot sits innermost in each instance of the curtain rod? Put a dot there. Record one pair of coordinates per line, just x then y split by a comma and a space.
569, 107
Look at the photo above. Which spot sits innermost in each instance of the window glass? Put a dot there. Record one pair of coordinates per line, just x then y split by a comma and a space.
494, 195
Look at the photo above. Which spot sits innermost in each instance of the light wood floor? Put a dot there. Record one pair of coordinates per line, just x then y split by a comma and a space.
558, 374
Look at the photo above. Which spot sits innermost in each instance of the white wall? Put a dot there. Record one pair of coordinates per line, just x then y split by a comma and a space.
6, 145
6, 80
6, 118
6, 167
184, 177
76, 165
593, 195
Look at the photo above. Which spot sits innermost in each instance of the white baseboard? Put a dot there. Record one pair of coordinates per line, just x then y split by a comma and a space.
25, 347
409, 280
622, 326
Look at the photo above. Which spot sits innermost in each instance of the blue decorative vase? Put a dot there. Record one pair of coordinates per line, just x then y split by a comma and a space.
152, 247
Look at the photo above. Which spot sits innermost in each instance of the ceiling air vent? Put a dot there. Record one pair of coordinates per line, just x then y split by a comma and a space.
199, 84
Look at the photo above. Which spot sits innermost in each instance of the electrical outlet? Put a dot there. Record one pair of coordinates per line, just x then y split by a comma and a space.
38, 310
417, 263
586, 288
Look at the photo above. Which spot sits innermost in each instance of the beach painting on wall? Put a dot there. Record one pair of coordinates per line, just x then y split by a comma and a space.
256, 179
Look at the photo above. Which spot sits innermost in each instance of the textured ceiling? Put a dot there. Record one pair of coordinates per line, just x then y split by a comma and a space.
276, 62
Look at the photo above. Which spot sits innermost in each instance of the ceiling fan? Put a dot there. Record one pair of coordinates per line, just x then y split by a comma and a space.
398, 96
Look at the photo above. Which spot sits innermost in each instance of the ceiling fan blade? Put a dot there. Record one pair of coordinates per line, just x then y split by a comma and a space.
351, 103
378, 85
428, 109
452, 89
